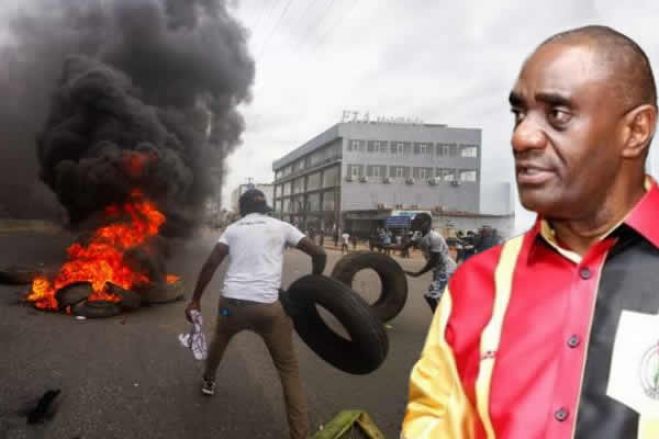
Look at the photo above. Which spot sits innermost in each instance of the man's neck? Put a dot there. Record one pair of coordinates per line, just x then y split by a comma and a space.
580, 234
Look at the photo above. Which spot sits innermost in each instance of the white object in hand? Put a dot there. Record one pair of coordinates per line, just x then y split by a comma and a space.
195, 339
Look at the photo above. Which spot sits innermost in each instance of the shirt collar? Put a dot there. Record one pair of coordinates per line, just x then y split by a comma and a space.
641, 218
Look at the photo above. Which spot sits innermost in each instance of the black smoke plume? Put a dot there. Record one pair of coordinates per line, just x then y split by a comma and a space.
122, 94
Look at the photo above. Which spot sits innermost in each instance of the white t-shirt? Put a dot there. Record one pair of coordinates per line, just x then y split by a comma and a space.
433, 242
256, 257
346, 238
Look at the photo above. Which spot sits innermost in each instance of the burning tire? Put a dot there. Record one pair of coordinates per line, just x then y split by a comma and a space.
16, 275
393, 294
73, 294
129, 299
163, 293
95, 310
367, 346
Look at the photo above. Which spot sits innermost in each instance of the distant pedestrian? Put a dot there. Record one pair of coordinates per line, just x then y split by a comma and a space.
354, 240
345, 240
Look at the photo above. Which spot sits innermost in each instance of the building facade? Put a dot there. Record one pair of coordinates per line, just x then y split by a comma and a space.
354, 174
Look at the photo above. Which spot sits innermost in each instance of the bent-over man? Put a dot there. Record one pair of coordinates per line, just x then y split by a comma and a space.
249, 300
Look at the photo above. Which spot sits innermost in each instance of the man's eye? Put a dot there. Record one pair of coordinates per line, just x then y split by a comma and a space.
518, 113
559, 116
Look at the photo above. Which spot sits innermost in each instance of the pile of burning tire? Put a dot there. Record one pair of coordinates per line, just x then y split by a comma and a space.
73, 297
367, 344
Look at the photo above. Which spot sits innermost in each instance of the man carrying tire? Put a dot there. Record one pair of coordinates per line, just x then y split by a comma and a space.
255, 245
435, 250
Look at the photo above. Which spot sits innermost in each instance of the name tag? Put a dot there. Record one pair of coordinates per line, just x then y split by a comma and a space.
634, 376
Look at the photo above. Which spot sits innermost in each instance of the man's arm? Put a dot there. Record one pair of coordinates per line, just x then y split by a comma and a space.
220, 251
431, 263
437, 405
317, 253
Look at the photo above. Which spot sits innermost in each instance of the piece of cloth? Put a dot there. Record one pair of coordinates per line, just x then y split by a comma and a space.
256, 256
195, 339
275, 327
547, 375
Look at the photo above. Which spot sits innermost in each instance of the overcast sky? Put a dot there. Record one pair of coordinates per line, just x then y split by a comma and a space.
443, 62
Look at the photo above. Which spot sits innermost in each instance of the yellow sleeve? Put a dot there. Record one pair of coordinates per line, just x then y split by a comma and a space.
437, 406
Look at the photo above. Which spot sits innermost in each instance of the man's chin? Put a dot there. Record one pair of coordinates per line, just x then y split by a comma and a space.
538, 202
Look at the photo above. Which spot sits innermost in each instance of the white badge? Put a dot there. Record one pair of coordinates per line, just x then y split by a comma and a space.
634, 375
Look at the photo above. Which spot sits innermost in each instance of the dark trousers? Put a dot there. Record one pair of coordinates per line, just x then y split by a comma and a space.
275, 327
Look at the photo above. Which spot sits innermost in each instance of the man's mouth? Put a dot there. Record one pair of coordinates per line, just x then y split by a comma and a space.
532, 175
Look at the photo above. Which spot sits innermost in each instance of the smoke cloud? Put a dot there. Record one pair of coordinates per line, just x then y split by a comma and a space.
118, 94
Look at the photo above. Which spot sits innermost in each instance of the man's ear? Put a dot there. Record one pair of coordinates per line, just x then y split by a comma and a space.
640, 124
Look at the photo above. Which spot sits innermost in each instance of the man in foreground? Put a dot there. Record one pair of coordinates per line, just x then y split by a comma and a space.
554, 334
249, 301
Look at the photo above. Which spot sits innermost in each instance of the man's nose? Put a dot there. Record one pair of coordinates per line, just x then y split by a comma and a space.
528, 134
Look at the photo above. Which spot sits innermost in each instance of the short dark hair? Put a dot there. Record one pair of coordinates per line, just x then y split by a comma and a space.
253, 201
421, 218
632, 67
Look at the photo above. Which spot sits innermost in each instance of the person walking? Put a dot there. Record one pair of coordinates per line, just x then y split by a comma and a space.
255, 247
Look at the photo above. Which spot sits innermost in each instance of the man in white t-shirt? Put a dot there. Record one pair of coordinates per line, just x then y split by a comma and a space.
345, 241
255, 245
435, 250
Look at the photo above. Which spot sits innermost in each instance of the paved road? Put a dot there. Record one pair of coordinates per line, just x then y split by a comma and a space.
127, 377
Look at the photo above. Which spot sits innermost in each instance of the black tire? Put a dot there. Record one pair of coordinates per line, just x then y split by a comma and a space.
393, 294
73, 294
162, 293
368, 344
18, 275
96, 310
130, 300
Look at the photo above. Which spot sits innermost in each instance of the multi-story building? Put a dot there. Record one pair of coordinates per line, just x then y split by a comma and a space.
354, 174
266, 188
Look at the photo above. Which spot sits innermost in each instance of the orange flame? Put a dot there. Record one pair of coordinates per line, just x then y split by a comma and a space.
101, 261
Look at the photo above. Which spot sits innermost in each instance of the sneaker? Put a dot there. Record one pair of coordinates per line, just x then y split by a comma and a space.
208, 387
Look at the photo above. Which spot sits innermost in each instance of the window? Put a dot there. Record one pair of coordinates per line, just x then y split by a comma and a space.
448, 175
313, 181
447, 149
468, 175
287, 188
469, 151
373, 171
421, 148
374, 146
422, 174
399, 172
354, 171
356, 145
331, 177
298, 185
397, 148
328, 200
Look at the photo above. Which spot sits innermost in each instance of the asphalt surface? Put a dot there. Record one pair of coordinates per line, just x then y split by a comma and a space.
128, 377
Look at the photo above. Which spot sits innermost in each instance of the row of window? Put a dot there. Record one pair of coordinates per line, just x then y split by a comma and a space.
326, 178
315, 202
322, 155
419, 173
417, 148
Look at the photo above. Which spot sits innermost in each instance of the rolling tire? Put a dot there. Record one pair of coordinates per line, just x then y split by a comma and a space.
393, 294
96, 310
368, 344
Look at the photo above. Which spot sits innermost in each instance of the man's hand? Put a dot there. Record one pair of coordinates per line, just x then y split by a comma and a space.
193, 305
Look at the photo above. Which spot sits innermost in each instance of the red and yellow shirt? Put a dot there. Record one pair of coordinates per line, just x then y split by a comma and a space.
522, 343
